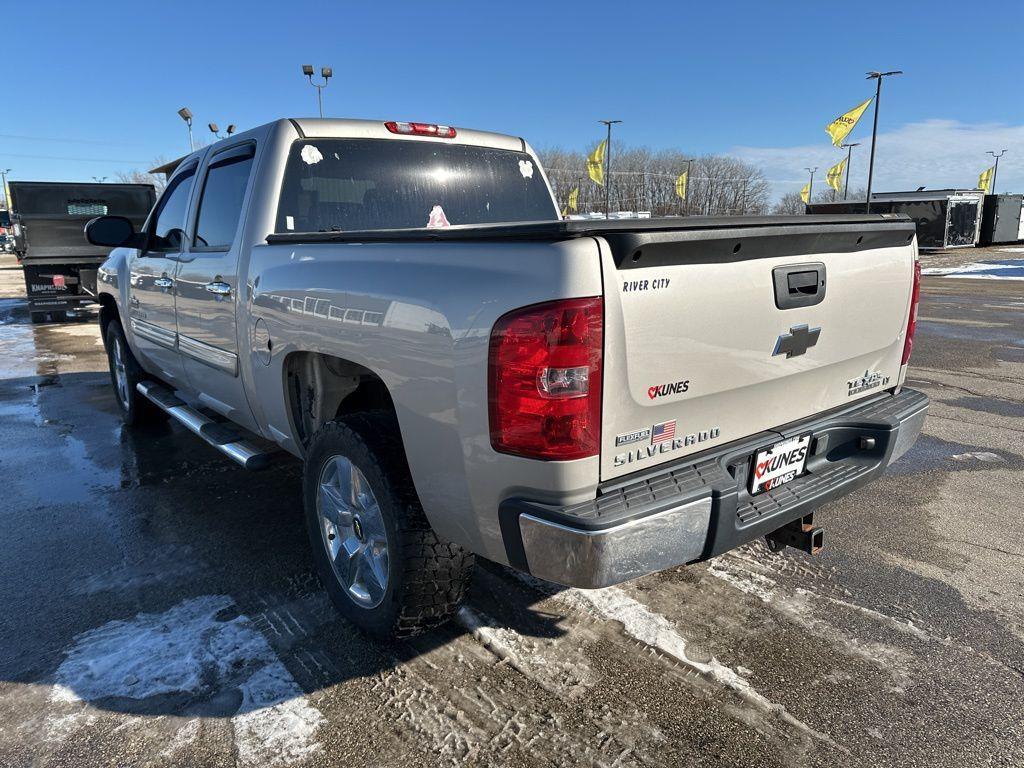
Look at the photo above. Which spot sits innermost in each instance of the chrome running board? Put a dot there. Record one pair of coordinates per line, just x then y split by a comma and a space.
221, 436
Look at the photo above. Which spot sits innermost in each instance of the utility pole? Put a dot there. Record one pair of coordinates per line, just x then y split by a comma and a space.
810, 186
877, 77
995, 171
849, 154
608, 168
326, 73
686, 200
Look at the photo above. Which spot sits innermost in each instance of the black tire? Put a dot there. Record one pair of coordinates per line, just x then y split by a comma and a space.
426, 577
135, 409
38, 317
59, 316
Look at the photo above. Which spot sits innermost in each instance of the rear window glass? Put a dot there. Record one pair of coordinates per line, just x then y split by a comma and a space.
355, 184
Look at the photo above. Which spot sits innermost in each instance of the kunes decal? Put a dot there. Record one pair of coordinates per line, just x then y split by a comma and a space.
674, 388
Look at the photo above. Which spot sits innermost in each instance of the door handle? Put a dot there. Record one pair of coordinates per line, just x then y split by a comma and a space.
163, 282
218, 288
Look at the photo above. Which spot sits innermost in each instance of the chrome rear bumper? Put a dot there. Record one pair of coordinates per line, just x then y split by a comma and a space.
700, 507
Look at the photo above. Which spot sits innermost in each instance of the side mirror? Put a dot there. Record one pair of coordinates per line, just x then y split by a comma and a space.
113, 232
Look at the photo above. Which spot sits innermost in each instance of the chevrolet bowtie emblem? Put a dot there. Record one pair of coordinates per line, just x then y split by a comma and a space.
799, 339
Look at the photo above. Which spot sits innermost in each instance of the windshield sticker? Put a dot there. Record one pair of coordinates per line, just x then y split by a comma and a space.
526, 168
289, 222
437, 218
310, 155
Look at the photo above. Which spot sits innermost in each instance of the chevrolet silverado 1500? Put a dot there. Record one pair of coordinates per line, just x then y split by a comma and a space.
463, 374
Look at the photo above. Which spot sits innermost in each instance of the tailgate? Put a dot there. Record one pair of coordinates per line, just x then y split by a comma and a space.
715, 335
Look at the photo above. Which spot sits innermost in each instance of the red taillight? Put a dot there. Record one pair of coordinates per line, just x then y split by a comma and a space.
421, 129
545, 380
915, 298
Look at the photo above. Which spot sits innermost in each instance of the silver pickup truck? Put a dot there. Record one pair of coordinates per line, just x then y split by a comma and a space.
463, 373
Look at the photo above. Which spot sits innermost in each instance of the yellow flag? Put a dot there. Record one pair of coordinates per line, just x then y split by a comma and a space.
834, 177
805, 193
840, 128
595, 164
574, 199
681, 185
985, 180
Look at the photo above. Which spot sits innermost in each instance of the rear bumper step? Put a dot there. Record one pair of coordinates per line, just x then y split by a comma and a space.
701, 507
220, 436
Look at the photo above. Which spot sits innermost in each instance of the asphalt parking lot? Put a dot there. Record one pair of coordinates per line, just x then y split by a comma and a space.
160, 607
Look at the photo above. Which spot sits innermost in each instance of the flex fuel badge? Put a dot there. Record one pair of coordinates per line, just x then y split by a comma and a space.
661, 438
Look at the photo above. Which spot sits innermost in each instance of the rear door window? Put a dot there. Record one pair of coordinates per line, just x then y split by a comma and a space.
220, 207
360, 184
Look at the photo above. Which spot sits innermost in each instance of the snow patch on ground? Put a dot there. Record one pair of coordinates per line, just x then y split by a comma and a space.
986, 456
1008, 269
189, 651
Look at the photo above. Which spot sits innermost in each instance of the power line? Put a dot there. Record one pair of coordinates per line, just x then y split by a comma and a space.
55, 139
76, 159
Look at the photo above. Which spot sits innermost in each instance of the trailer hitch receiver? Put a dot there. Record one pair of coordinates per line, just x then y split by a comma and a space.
800, 534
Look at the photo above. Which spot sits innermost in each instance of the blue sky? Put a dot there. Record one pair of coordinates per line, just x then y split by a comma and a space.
93, 88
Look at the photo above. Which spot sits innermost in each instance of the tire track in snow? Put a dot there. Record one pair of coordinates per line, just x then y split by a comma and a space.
653, 630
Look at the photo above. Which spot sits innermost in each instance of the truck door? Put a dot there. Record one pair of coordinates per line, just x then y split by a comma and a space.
151, 281
208, 285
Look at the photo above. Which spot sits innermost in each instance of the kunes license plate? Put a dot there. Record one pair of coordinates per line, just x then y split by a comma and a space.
779, 464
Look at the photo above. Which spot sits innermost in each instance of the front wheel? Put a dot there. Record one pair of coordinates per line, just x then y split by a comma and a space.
125, 373
379, 560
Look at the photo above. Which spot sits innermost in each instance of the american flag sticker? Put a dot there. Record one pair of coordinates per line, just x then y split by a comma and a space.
663, 432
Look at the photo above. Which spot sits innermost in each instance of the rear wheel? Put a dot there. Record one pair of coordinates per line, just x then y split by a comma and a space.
125, 373
379, 560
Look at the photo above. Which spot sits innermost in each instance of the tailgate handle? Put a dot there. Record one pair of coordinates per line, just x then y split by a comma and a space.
799, 285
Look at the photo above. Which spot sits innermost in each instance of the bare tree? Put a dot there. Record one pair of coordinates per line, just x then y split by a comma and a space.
790, 204
136, 176
642, 180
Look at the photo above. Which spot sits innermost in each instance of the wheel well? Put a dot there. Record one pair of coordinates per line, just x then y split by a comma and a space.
321, 388
108, 312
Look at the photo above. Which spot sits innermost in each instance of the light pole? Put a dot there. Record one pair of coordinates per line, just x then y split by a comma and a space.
849, 154
326, 73
995, 171
216, 131
186, 114
3, 173
608, 168
877, 77
810, 186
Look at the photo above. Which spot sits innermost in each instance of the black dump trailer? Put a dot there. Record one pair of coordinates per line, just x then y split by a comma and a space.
945, 218
49, 220
1001, 220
